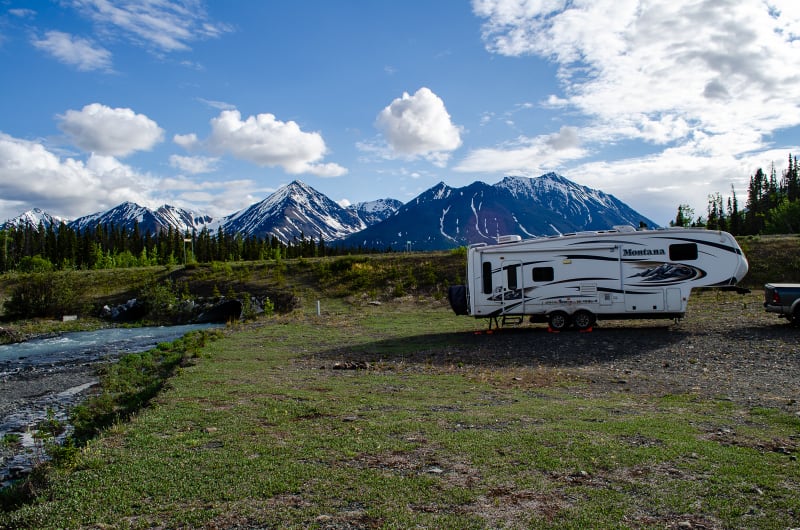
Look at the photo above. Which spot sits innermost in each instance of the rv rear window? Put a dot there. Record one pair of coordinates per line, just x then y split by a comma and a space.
683, 252
487, 277
543, 274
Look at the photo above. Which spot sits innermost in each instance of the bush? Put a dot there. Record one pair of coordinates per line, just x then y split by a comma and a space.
41, 295
785, 219
159, 301
35, 264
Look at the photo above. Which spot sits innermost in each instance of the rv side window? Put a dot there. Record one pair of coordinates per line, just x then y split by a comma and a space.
487, 277
512, 276
543, 274
683, 252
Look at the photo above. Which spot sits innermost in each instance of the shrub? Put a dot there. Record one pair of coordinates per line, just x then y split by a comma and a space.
159, 300
41, 295
35, 264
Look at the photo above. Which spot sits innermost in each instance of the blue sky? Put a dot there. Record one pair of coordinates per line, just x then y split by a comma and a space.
211, 106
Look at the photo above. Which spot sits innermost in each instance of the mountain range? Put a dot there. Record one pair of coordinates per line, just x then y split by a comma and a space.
439, 218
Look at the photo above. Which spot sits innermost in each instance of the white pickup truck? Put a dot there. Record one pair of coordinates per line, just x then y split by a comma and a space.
783, 299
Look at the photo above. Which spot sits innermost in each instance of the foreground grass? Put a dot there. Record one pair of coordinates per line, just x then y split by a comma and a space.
264, 431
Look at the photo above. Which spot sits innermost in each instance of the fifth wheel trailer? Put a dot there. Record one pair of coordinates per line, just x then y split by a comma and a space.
576, 279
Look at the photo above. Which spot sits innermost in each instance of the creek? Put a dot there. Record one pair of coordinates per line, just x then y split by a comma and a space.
44, 378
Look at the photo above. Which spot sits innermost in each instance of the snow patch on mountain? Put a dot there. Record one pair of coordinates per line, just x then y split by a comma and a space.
372, 212
32, 219
441, 226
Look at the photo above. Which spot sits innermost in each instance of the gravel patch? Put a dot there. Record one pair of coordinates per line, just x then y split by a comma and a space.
726, 347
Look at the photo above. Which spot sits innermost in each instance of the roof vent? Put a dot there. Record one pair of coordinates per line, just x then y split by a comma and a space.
508, 239
624, 228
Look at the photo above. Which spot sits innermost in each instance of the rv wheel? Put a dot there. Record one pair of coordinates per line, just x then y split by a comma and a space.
583, 319
558, 320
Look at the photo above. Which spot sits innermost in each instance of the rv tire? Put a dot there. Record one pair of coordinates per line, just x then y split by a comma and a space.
583, 319
558, 320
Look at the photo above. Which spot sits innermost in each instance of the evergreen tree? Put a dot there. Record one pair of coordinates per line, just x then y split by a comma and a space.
716, 213
756, 191
792, 180
684, 216
735, 223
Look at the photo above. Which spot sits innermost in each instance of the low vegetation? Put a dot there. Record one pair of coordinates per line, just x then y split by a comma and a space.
367, 416
43, 298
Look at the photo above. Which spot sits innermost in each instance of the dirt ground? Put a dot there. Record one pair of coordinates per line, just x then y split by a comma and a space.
726, 347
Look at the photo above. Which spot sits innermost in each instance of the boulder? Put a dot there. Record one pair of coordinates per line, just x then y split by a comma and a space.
130, 311
221, 312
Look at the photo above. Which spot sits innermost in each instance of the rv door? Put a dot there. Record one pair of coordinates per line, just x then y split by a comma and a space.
513, 296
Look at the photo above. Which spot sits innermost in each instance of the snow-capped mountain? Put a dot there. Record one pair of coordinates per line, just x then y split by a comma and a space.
294, 210
372, 212
439, 218
582, 208
32, 219
445, 217
183, 220
127, 214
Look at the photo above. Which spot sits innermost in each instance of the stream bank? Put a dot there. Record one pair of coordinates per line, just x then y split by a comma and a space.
44, 378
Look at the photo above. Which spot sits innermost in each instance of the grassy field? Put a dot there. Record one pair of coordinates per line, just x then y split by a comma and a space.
274, 427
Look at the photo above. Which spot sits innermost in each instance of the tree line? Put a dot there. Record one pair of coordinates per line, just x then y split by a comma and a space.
45, 248
772, 206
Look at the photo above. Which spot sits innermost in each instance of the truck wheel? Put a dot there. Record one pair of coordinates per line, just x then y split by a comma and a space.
795, 316
558, 320
583, 319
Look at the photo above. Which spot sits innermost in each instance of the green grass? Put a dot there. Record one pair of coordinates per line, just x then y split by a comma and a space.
262, 431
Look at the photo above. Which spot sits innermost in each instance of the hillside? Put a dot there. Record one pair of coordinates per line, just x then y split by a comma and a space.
291, 282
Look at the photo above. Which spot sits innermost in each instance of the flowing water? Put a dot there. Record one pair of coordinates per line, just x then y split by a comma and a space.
44, 378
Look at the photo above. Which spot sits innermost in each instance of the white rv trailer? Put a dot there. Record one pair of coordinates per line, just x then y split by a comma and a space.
576, 279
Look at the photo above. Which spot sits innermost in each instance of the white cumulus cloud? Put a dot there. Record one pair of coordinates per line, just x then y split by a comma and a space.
194, 164
187, 141
418, 125
32, 176
110, 131
36, 177
75, 51
266, 141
